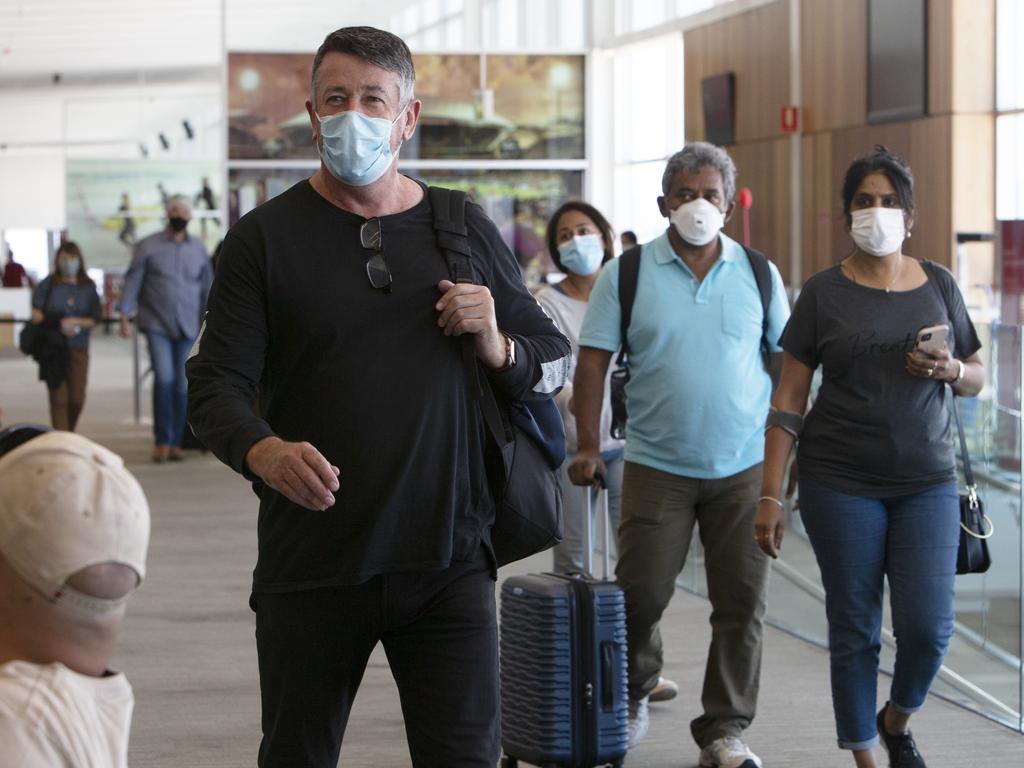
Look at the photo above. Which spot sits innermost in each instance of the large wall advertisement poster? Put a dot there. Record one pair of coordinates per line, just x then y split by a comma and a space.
531, 107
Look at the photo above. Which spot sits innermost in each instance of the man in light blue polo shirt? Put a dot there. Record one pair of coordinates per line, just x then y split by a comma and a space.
698, 397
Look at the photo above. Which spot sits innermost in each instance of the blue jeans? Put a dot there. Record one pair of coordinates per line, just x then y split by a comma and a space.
568, 555
911, 539
170, 389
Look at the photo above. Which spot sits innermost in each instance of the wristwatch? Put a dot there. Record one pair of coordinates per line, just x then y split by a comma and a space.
510, 354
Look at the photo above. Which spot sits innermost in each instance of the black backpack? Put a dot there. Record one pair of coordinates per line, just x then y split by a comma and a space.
526, 440
629, 276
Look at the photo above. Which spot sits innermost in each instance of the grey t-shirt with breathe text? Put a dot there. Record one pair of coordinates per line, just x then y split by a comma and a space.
874, 429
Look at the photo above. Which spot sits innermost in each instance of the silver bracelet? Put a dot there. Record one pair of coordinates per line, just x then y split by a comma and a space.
960, 374
772, 498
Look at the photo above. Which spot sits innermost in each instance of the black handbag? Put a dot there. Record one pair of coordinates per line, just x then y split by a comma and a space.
975, 526
32, 338
529, 438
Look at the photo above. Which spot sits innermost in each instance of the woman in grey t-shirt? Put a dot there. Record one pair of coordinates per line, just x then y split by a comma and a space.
580, 241
878, 493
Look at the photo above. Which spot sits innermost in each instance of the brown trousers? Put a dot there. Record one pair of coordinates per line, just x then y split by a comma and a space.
67, 400
659, 511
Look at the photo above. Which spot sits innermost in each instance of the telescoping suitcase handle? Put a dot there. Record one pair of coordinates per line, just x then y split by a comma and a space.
588, 551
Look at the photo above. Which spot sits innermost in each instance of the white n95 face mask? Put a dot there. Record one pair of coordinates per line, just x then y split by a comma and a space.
698, 222
356, 148
878, 231
582, 254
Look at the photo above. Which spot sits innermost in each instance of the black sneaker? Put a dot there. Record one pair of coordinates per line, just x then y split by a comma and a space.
902, 749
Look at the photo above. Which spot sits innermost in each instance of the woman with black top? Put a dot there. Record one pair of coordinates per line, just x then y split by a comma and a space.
878, 492
66, 302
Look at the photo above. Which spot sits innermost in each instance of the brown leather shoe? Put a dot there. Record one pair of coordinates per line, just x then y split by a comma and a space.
160, 454
175, 454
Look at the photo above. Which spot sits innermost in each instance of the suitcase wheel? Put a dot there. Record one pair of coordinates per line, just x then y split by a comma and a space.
509, 762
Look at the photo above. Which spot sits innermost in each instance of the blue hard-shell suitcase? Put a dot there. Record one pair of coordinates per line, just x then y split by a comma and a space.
563, 668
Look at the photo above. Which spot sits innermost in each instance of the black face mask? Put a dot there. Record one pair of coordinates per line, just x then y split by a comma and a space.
177, 223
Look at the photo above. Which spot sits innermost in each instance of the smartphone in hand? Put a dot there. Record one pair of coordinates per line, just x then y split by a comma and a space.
932, 340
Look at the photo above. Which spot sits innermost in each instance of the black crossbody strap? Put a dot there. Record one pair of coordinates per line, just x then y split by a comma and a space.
629, 276
763, 279
929, 271
449, 212
968, 472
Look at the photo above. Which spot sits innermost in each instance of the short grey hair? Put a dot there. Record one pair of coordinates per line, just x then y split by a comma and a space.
375, 46
697, 155
179, 199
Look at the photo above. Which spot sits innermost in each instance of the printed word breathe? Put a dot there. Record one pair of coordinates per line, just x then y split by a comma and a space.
863, 343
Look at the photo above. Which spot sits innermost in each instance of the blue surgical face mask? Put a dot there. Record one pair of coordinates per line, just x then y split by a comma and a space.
583, 254
356, 148
69, 267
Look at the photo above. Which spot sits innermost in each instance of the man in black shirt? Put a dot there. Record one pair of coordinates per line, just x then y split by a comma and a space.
333, 300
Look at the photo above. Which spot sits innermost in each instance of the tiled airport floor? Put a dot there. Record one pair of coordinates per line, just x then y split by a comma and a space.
189, 651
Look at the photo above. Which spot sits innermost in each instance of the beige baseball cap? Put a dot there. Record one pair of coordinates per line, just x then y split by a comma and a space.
67, 503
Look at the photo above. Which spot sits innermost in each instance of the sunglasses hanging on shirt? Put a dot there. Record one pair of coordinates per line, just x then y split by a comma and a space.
377, 266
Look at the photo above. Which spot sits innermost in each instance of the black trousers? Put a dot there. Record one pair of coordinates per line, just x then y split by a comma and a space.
439, 631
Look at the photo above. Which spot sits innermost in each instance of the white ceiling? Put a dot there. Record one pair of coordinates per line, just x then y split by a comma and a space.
109, 37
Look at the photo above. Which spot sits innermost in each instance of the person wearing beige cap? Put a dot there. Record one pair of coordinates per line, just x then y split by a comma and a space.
74, 529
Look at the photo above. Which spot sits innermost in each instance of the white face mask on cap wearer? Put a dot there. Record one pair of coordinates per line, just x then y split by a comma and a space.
698, 222
878, 231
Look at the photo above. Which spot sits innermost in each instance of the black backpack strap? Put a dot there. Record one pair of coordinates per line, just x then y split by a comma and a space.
931, 271
449, 210
763, 279
629, 276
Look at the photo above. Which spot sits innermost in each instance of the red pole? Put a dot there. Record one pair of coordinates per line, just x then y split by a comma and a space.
746, 199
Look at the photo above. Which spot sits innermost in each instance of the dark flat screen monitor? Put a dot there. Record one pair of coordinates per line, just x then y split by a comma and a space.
897, 60
719, 94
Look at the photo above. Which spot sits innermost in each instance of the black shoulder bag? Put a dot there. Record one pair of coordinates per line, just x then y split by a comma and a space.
33, 335
972, 555
525, 440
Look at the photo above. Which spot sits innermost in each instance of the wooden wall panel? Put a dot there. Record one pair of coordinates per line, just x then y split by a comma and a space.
974, 51
931, 159
833, 69
973, 181
961, 56
763, 166
940, 57
753, 45
821, 206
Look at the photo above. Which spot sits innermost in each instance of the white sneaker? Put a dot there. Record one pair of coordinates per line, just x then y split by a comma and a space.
665, 690
639, 721
728, 752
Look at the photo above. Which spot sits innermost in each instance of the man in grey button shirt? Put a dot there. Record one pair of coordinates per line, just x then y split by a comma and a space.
166, 288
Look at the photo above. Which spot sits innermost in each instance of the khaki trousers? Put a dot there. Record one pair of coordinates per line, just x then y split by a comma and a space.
67, 400
659, 511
